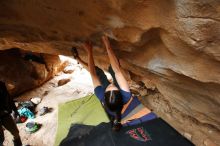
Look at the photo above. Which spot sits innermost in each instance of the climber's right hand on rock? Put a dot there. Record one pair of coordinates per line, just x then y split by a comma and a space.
88, 46
106, 42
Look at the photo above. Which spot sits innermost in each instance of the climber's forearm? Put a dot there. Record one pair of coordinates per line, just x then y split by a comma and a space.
113, 60
91, 64
83, 63
91, 67
112, 57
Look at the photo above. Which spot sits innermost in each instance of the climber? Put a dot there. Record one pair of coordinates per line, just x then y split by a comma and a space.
122, 108
6, 107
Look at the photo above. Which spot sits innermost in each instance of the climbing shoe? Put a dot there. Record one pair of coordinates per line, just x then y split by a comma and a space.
31, 127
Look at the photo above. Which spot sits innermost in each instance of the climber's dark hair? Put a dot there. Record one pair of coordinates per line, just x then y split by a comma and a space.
114, 103
113, 100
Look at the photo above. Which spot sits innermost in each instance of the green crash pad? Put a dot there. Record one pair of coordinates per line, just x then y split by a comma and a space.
87, 111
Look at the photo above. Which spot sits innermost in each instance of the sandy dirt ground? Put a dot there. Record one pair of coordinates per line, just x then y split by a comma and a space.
52, 95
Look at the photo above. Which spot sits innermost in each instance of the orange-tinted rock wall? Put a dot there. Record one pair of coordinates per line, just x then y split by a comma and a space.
172, 46
23, 70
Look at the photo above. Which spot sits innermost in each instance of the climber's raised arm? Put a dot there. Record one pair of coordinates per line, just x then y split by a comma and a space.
91, 64
115, 65
77, 57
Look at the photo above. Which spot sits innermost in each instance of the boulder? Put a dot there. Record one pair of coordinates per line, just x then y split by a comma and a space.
22, 74
171, 46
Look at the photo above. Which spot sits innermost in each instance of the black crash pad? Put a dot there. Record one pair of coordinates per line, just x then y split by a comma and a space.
152, 133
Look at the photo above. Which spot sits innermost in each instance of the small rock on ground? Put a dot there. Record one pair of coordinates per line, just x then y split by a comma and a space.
63, 82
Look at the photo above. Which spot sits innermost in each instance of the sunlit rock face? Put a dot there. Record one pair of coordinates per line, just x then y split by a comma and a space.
172, 46
24, 70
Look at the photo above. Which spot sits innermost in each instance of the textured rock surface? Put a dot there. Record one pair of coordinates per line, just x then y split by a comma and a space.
21, 73
171, 46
